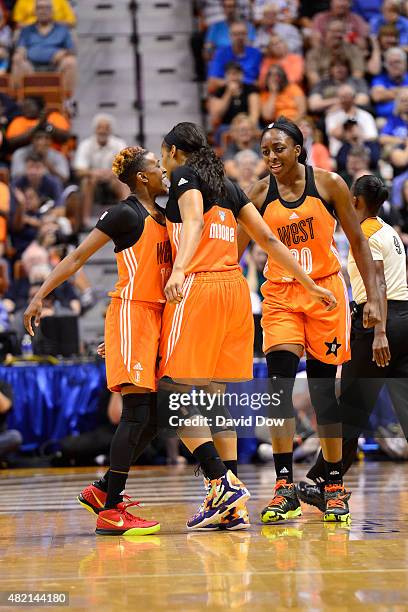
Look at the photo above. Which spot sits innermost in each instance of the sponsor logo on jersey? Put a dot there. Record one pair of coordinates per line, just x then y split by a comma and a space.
163, 251
222, 232
222, 215
294, 216
182, 181
295, 233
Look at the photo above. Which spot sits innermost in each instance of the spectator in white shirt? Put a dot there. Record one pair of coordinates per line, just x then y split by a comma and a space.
93, 163
336, 119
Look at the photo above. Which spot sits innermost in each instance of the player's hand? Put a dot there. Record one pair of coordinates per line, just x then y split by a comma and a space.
381, 350
173, 289
324, 296
33, 310
101, 350
371, 313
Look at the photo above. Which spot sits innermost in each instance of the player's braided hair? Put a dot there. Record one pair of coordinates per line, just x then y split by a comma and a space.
127, 163
373, 191
191, 139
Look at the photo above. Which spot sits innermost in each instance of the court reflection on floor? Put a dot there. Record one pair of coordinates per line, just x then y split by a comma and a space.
47, 543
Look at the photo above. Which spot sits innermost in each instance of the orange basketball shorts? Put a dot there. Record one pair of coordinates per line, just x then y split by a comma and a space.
132, 334
210, 334
291, 316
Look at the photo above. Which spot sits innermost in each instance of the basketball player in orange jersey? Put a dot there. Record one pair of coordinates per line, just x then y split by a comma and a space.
300, 205
132, 327
207, 330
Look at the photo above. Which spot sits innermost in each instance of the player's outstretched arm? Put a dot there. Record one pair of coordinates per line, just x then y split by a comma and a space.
257, 194
66, 268
258, 230
341, 199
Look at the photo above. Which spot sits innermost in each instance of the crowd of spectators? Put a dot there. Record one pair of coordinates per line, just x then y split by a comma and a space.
336, 67
48, 180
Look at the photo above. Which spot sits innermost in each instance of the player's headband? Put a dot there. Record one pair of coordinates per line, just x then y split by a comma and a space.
172, 139
293, 132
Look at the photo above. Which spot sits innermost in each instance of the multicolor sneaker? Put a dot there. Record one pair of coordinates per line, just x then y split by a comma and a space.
284, 505
311, 494
235, 519
117, 521
337, 509
224, 493
93, 499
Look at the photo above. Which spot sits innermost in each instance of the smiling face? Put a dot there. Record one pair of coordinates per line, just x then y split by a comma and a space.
279, 151
153, 176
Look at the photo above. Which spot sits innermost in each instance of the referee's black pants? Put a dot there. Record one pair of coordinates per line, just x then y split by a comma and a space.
362, 381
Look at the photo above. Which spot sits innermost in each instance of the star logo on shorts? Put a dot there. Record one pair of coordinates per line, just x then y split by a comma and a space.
332, 347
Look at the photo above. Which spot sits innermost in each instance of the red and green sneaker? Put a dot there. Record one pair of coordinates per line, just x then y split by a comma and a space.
118, 521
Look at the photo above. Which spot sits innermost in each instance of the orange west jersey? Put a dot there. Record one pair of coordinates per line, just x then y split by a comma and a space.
306, 227
142, 250
217, 250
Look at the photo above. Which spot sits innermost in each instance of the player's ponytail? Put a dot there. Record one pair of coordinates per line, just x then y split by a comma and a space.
210, 169
372, 189
190, 138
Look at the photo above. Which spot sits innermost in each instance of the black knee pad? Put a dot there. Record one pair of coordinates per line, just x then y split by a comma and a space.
282, 369
135, 414
282, 364
321, 379
176, 405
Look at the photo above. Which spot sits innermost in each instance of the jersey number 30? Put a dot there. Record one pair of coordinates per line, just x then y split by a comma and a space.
304, 258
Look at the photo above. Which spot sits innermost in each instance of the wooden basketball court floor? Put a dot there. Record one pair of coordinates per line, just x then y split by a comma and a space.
48, 544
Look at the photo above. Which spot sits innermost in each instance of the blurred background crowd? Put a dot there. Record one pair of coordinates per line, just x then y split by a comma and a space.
336, 67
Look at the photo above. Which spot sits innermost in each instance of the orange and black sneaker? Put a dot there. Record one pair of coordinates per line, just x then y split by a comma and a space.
284, 505
337, 509
117, 521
